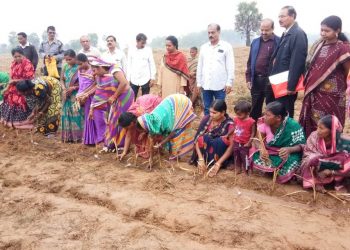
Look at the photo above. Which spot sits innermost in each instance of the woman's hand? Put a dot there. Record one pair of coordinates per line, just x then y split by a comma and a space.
325, 173
121, 156
70, 90
158, 145
202, 168
112, 99
91, 114
284, 153
264, 157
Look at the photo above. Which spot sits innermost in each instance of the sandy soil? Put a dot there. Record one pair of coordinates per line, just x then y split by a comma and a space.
58, 196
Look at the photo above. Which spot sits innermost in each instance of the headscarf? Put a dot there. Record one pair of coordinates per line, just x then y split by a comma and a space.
177, 63
4, 77
336, 128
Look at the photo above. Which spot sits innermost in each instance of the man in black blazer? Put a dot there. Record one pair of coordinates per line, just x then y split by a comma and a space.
290, 55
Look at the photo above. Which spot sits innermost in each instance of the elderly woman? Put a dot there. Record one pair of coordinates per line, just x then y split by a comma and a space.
173, 73
112, 93
284, 140
213, 146
325, 79
171, 119
46, 113
15, 109
326, 155
144, 105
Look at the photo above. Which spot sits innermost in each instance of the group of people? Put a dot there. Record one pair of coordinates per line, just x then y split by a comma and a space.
93, 98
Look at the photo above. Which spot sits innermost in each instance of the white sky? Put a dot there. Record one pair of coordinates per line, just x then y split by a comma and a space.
125, 19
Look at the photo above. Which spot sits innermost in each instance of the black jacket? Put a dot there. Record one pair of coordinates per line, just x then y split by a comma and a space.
291, 55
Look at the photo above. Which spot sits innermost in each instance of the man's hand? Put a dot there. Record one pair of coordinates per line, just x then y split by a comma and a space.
249, 85
228, 89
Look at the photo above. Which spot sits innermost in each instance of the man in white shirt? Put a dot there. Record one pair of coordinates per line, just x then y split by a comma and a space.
215, 71
141, 66
113, 54
87, 49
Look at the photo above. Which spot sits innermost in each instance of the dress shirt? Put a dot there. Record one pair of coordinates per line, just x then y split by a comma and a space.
115, 57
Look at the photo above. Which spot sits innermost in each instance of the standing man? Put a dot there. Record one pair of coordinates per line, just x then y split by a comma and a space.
215, 72
113, 54
52, 49
28, 49
87, 49
290, 55
141, 66
257, 72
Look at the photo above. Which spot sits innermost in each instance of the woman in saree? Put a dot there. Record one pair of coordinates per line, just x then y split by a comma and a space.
213, 143
285, 143
86, 91
114, 95
15, 110
143, 105
71, 125
171, 119
45, 116
173, 74
328, 65
326, 155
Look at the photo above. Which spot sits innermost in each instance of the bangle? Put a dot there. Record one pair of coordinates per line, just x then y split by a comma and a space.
201, 159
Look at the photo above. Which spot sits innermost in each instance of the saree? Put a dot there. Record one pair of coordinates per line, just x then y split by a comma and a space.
48, 89
71, 125
143, 105
289, 134
325, 84
213, 141
192, 82
317, 156
4, 80
14, 111
87, 88
173, 114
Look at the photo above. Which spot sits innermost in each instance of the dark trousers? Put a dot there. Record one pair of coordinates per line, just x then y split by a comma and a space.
261, 90
145, 89
288, 101
209, 96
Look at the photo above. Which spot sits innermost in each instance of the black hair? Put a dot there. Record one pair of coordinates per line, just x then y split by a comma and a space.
126, 118
173, 40
335, 23
218, 28
277, 108
327, 121
82, 57
141, 37
291, 11
17, 50
22, 34
50, 28
219, 105
24, 85
194, 48
113, 37
243, 107
70, 53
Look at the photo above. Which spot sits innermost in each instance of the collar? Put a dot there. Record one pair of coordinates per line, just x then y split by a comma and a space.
25, 45
287, 30
272, 38
54, 41
214, 46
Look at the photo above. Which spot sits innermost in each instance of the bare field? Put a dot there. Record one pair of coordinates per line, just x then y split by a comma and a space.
64, 196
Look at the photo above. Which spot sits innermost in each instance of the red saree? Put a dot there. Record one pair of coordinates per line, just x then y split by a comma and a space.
325, 85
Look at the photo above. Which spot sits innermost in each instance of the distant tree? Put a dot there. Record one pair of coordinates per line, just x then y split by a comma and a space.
13, 42
248, 20
44, 35
93, 39
74, 45
3, 48
34, 39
